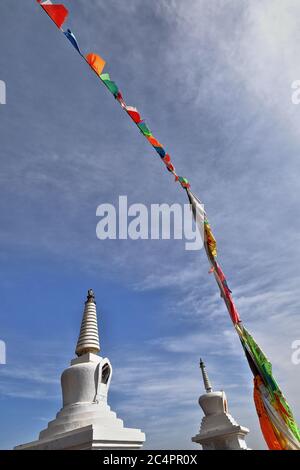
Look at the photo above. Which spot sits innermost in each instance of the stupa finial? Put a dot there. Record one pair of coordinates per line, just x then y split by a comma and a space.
206, 381
88, 341
91, 296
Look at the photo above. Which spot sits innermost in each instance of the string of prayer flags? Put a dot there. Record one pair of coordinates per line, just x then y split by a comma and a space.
278, 425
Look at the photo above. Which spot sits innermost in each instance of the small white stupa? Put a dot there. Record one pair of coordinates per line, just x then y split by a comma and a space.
219, 430
86, 420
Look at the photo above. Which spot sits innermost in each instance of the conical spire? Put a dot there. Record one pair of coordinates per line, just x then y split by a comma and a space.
88, 341
206, 381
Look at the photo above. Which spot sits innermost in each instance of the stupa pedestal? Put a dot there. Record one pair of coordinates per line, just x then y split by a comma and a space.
86, 420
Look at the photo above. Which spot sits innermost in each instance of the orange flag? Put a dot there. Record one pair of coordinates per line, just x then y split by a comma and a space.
96, 63
154, 141
264, 420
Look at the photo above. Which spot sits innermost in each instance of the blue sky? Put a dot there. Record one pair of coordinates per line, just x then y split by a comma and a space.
213, 80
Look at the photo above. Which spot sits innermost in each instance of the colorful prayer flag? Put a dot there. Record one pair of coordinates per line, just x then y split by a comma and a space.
57, 13
96, 63
144, 129
134, 114
210, 239
72, 39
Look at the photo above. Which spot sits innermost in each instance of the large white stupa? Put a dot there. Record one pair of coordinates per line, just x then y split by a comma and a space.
219, 430
86, 420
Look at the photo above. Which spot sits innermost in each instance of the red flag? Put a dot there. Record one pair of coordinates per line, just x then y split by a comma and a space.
220, 276
134, 114
57, 13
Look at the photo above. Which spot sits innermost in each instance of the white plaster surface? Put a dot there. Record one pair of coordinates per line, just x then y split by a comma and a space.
219, 430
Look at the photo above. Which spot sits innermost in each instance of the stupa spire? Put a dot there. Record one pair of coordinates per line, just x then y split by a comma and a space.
206, 381
88, 341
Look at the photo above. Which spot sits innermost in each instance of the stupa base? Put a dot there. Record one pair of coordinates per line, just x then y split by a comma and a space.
90, 438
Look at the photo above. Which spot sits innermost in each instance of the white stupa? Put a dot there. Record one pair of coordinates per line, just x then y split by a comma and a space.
219, 430
86, 420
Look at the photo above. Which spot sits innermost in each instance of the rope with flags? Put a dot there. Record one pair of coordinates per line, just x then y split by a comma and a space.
276, 419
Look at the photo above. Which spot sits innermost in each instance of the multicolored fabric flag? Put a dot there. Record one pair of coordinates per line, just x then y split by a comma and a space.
276, 419
210, 239
277, 423
211, 252
265, 423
